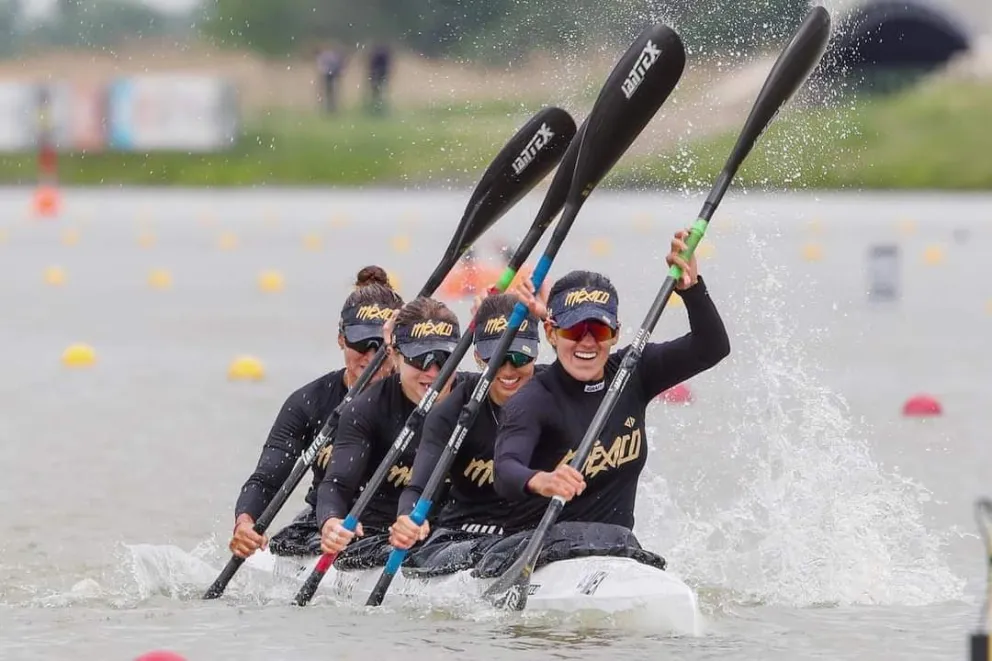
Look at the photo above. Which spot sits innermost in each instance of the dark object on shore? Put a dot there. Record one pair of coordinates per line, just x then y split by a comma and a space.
380, 60
884, 45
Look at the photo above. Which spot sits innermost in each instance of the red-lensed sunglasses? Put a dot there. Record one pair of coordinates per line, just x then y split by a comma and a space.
600, 332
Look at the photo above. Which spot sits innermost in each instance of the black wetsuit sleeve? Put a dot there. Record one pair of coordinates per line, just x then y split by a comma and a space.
438, 425
284, 445
667, 364
349, 461
515, 442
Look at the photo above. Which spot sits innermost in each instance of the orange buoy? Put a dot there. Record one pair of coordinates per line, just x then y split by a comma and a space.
922, 405
679, 394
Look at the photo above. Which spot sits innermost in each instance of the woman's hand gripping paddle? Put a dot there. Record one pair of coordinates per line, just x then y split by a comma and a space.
793, 66
525, 160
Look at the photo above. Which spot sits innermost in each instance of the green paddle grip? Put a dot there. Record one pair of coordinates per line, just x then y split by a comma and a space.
695, 236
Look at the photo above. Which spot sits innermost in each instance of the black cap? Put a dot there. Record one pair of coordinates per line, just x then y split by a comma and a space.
361, 322
489, 330
578, 304
428, 335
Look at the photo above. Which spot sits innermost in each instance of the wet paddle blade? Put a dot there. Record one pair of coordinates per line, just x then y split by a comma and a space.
525, 160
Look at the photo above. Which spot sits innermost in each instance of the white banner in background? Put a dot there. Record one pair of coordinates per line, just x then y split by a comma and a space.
172, 112
78, 116
18, 116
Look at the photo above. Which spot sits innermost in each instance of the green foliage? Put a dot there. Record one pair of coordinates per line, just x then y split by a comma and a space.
499, 31
88, 24
931, 137
928, 137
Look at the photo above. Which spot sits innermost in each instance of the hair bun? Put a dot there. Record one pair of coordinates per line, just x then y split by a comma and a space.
372, 275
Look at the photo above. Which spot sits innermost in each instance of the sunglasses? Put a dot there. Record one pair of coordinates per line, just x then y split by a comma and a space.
517, 359
600, 332
364, 346
424, 361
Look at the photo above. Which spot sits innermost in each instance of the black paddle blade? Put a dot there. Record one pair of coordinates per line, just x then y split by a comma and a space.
554, 201
640, 82
525, 160
793, 66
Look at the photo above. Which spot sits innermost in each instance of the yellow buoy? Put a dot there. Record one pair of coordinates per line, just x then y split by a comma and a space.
271, 281
600, 246
227, 241
79, 355
401, 243
705, 249
246, 368
812, 252
160, 279
642, 222
312, 242
933, 255
54, 276
907, 226
146, 239
70, 237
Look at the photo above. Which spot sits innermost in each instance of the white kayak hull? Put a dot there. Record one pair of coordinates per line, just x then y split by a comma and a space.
608, 585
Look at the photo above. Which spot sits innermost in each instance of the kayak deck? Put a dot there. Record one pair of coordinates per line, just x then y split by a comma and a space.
597, 583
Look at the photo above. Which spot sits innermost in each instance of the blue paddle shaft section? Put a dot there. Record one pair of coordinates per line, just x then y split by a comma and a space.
541, 271
395, 561
420, 511
520, 310
418, 516
350, 523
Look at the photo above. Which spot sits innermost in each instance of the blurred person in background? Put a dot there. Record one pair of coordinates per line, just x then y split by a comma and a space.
330, 65
380, 60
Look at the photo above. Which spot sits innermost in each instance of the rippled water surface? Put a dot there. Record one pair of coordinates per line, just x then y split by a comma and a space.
811, 517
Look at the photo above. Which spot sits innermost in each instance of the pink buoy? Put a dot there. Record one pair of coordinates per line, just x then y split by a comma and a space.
161, 655
922, 405
679, 394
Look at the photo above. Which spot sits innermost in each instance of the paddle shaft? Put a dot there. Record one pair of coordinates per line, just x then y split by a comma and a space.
532, 551
789, 71
980, 644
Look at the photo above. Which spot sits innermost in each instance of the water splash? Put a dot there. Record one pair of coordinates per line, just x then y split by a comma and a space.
777, 499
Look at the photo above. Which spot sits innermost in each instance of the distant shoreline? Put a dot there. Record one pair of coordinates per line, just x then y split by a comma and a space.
932, 137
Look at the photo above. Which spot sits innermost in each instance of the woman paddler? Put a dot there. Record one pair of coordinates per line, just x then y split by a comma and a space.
360, 334
472, 512
544, 423
424, 334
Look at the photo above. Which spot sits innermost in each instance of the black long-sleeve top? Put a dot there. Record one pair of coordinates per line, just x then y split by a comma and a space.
367, 430
543, 424
299, 421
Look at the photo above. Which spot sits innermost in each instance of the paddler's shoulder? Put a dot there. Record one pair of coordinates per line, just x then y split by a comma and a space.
317, 390
375, 393
535, 394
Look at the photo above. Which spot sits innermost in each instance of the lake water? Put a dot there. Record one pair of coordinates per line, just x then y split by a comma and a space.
811, 517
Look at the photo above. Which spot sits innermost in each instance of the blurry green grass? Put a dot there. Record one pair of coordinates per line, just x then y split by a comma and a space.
936, 136
440, 145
